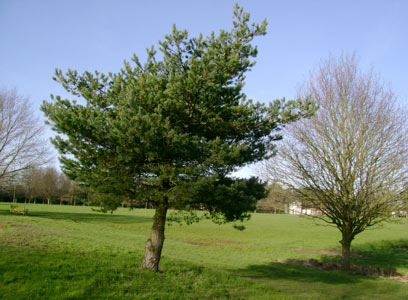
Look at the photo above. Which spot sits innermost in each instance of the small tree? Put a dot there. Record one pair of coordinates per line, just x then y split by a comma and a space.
65, 188
48, 185
30, 180
22, 144
170, 131
277, 200
350, 158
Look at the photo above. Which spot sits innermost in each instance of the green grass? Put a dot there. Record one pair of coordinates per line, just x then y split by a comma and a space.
66, 252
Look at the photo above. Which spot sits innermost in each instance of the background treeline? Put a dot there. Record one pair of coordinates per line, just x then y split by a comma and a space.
43, 185
283, 201
47, 185
278, 200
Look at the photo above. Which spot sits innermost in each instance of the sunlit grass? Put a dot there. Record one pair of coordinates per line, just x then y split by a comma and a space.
66, 252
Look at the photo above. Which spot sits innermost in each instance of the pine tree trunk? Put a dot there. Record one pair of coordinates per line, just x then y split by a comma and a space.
345, 251
154, 245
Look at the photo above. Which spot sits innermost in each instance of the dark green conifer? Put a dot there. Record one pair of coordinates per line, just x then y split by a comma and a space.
169, 131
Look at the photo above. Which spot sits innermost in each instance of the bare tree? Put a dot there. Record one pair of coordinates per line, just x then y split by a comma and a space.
350, 158
65, 189
32, 182
22, 142
48, 186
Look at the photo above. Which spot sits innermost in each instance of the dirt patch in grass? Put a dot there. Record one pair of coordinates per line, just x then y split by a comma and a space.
21, 235
8, 224
327, 252
211, 242
354, 269
20, 225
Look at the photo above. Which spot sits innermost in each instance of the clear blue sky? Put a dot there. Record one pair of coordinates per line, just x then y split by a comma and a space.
38, 36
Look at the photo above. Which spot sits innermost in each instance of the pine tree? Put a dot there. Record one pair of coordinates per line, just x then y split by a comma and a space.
169, 131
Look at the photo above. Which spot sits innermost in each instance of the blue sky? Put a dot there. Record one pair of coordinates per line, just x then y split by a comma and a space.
38, 36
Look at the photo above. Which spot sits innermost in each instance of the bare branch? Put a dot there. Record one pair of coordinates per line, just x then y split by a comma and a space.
350, 159
22, 144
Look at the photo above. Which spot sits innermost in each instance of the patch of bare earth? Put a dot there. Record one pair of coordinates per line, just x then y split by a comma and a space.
354, 269
211, 242
20, 234
327, 252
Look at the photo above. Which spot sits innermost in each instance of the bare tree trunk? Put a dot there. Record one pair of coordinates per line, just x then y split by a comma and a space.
345, 250
14, 195
154, 244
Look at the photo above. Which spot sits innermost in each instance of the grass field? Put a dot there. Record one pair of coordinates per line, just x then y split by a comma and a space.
66, 252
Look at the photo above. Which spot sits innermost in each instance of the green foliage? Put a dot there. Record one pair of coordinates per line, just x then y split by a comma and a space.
179, 122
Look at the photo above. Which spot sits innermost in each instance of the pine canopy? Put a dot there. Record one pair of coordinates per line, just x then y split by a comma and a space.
172, 129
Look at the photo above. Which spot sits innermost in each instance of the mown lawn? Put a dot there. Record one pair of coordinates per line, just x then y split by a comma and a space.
66, 252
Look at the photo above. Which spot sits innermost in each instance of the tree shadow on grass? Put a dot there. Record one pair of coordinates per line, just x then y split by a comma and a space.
386, 254
279, 271
86, 217
4, 212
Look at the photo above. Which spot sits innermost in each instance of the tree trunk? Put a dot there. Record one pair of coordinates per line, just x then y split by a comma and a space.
345, 250
14, 195
154, 245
